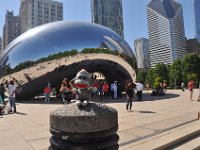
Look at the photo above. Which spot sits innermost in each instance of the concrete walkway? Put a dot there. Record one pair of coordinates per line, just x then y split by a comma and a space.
29, 128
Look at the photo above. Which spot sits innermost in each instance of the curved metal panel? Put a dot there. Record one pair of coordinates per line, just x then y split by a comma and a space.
54, 39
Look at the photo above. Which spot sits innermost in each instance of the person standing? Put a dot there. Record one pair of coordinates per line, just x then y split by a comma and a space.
129, 96
115, 90
191, 87
165, 87
2, 92
183, 86
139, 88
105, 89
101, 90
11, 93
147, 87
47, 92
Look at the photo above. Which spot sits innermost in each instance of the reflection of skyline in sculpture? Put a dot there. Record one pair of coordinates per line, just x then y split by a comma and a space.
48, 49
79, 35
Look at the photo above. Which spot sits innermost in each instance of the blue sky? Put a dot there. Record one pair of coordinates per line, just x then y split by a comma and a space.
134, 13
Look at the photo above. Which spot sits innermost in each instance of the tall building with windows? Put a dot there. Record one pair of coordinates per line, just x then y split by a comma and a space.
166, 31
196, 18
108, 13
38, 12
142, 53
11, 29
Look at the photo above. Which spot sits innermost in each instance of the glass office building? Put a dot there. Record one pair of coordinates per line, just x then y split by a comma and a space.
142, 53
108, 13
196, 15
166, 31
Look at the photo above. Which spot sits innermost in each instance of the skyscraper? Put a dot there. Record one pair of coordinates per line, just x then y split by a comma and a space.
166, 31
11, 29
142, 53
37, 12
196, 17
108, 13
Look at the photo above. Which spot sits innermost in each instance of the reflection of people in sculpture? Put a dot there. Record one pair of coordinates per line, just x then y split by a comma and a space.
115, 89
83, 88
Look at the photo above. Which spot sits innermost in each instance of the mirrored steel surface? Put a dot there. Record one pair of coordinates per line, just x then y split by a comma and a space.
52, 39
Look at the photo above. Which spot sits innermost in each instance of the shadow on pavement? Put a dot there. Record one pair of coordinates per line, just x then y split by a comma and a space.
145, 97
20, 113
148, 97
147, 112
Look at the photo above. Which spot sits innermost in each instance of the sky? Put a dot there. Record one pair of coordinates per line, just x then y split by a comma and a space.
134, 15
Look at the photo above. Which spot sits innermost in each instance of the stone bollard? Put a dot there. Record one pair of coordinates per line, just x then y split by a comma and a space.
92, 127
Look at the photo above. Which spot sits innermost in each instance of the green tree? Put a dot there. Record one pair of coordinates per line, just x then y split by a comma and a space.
141, 76
176, 73
150, 76
161, 71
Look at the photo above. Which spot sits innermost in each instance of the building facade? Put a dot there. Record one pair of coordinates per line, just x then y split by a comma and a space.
196, 18
108, 13
166, 31
142, 53
37, 12
11, 29
193, 46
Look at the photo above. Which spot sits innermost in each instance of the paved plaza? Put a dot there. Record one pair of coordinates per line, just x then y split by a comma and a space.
28, 129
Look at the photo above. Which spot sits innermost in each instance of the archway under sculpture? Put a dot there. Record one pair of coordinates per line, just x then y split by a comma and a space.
36, 77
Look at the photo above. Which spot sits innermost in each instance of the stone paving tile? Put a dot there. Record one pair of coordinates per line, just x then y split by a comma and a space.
149, 117
39, 144
126, 138
139, 132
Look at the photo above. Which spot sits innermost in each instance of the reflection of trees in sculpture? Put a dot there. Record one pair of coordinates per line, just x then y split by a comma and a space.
73, 52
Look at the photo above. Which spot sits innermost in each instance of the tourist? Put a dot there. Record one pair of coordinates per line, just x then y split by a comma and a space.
95, 88
165, 87
11, 93
2, 92
147, 87
105, 89
129, 96
66, 91
183, 86
191, 87
139, 88
101, 90
119, 90
47, 92
115, 90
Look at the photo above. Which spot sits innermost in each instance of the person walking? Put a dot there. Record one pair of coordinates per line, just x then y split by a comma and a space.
11, 93
139, 88
191, 87
129, 96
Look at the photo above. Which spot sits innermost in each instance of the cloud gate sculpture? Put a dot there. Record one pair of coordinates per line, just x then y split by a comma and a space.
50, 52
